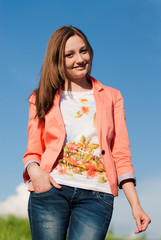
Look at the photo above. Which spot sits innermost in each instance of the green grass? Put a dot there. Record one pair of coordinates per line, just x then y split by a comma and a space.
14, 228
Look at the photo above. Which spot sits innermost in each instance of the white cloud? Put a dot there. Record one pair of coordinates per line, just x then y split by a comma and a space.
149, 192
16, 204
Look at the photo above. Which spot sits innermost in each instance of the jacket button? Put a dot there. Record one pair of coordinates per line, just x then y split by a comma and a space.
103, 152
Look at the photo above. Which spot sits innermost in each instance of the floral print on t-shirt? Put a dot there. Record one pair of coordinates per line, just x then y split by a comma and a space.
83, 110
79, 158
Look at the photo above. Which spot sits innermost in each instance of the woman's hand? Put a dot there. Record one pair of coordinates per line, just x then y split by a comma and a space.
141, 218
41, 180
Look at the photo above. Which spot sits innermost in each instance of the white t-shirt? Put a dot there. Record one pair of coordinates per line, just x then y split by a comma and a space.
80, 164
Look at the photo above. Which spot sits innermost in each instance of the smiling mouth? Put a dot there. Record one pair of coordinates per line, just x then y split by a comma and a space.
80, 66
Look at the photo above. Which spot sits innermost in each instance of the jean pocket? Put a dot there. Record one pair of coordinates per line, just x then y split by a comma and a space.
41, 194
105, 198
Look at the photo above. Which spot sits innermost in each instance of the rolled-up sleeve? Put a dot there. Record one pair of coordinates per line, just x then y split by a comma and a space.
120, 144
36, 145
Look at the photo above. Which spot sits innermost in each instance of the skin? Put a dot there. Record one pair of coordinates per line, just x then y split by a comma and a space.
141, 218
77, 63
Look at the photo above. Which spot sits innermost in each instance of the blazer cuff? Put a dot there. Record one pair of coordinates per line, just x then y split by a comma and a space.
31, 161
127, 176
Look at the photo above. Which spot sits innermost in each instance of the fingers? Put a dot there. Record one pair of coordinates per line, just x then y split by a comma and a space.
41, 180
139, 226
54, 183
142, 224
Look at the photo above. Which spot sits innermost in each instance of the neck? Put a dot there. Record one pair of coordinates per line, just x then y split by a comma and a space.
78, 85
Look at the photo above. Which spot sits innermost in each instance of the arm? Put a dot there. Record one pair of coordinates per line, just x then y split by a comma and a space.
40, 179
141, 218
36, 145
120, 147
122, 157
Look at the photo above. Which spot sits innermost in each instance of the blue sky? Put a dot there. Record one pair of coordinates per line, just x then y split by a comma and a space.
126, 38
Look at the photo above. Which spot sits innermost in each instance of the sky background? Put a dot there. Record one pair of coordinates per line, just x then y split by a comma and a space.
126, 38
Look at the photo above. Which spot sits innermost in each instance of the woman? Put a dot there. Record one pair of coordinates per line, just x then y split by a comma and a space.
78, 148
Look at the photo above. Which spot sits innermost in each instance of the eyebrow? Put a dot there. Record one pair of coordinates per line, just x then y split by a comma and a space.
71, 50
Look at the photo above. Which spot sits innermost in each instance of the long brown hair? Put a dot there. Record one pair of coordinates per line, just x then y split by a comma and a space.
52, 74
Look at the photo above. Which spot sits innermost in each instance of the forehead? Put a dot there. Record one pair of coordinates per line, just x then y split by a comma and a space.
74, 42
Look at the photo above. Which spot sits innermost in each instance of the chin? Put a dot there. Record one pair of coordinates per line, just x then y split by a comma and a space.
77, 76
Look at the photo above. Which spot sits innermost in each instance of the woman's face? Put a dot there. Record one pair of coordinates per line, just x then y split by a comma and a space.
77, 61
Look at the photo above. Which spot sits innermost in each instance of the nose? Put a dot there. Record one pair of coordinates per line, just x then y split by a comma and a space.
79, 58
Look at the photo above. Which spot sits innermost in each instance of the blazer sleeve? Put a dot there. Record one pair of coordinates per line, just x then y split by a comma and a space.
36, 145
120, 145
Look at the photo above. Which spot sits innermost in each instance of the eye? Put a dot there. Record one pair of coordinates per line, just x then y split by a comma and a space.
84, 50
69, 55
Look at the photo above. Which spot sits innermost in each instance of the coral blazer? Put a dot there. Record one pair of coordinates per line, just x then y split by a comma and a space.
46, 138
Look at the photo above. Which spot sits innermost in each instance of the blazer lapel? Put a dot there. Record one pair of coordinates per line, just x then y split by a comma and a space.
98, 92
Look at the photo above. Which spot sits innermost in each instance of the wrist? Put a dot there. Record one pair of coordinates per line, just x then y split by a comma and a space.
32, 166
131, 194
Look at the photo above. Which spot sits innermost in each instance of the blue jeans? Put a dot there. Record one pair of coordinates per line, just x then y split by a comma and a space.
85, 214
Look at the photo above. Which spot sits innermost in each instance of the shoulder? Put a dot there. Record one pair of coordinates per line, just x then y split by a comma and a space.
113, 94
109, 92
